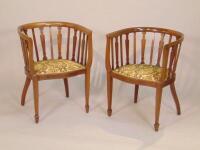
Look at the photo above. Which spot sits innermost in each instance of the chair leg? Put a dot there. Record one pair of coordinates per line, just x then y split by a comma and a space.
66, 87
136, 93
25, 89
175, 97
109, 93
87, 90
36, 99
157, 109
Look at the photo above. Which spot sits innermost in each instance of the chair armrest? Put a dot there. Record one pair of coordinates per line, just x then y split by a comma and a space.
171, 53
27, 49
90, 52
107, 55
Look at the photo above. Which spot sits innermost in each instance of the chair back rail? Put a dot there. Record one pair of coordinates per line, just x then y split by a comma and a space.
143, 45
55, 40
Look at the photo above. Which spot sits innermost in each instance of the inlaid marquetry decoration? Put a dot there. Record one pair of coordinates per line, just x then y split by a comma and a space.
145, 56
55, 50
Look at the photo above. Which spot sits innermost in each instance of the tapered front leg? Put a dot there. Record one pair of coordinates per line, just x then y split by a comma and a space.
157, 109
136, 93
87, 90
66, 87
25, 89
36, 99
109, 93
175, 97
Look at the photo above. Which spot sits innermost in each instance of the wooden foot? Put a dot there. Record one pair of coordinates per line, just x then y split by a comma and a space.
109, 112
87, 90
36, 118
156, 126
87, 108
36, 99
109, 93
157, 109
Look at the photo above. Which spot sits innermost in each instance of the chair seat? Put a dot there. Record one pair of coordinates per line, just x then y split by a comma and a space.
56, 66
143, 72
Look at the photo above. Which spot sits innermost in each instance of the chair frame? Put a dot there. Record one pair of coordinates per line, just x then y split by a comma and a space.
168, 52
28, 45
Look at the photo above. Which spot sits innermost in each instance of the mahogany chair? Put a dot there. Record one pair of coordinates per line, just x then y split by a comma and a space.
55, 50
145, 56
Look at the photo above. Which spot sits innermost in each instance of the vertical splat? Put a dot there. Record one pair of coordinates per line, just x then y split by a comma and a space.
152, 49
59, 39
134, 47
68, 42
51, 43
42, 38
116, 51
86, 50
127, 49
79, 46
112, 53
160, 48
82, 48
74, 45
35, 44
143, 47
121, 50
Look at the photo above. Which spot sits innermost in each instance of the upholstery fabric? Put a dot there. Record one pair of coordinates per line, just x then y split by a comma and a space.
143, 72
56, 66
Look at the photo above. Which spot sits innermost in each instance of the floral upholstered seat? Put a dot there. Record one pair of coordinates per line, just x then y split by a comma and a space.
143, 56
55, 50
56, 66
143, 72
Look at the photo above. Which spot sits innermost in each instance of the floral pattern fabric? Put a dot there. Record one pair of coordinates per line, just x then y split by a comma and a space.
56, 66
143, 72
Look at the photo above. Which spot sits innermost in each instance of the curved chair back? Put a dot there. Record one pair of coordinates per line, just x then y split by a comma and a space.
145, 45
55, 40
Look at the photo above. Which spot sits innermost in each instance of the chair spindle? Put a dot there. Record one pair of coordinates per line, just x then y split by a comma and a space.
116, 51
42, 38
79, 46
86, 49
143, 47
152, 48
35, 45
51, 43
135, 47
59, 39
160, 48
82, 48
121, 50
127, 48
74, 45
68, 42
112, 53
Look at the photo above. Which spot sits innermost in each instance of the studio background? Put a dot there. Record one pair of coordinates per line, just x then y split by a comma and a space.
64, 124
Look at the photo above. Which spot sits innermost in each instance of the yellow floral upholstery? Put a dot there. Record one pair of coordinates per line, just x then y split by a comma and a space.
143, 72
56, 66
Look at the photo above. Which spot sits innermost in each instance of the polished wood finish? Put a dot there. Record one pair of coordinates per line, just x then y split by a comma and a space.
66, 87
40, 39
164, 50
127, 49
136, 93
26, 85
